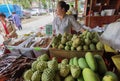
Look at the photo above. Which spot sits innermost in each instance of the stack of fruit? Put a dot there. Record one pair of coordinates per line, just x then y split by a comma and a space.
88, 68
85, 41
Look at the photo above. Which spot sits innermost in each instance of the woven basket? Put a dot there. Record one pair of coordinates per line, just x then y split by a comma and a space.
70, 54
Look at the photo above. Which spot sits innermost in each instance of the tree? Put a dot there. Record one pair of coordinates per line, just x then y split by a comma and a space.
23, 3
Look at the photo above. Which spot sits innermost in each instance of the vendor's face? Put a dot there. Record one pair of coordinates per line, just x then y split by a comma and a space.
59, 10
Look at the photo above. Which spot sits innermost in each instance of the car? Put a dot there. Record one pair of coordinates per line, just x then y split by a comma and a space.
35, 12
26, 13
43, 11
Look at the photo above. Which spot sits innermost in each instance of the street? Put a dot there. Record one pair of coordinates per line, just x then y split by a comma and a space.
34, 23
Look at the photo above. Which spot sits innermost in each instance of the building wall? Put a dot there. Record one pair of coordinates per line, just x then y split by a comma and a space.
1, 1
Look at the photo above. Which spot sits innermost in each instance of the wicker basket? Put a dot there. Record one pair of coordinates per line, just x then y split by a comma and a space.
70, 54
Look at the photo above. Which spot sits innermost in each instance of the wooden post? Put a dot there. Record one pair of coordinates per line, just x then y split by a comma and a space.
76, 4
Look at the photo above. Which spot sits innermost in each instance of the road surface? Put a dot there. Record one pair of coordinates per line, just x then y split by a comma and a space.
35, 23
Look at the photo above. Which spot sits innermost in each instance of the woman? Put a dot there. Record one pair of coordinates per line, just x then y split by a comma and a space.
7, 29
63, 22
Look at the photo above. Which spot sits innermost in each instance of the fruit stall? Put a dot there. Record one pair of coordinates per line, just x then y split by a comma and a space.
67, 57
93, 55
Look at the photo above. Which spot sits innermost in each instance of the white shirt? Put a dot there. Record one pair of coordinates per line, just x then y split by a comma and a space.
73, 10
64, 25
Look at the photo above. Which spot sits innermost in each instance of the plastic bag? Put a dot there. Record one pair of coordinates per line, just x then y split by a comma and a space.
111, 36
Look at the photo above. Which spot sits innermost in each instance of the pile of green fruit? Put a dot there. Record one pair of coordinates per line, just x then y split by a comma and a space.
93, 68
85, 41
88, 68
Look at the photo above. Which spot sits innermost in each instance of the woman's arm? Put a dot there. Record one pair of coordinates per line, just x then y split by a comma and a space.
76, 25
13, 30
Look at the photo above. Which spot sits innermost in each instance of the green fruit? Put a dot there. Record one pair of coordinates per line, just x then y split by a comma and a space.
74, 45
92, 47
108, 78
72, 48
112, 74
64, 61
77, 41
85, 47
99, 46
89, 75
63, 40
64, 70
71, 61
91, 61
75, 61
43, 57
69, 78
27, 75
36, 76
79, 48
41, 65
101, 64
95, 40
53, 64
82, 63
61, 46
67, 48
87, 41
48, 75
34, 64
75, 71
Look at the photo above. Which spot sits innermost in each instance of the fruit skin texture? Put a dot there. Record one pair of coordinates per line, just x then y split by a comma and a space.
64, 70
82, 63
99, 46
41, 65
101, 64
112, 74
75, 71
27, 75
48, 75
34, 64
71, 61
91, 61
43, 57
108, 78
64, 61
69, 78
36, 76
53, 64
75, 61
89, 75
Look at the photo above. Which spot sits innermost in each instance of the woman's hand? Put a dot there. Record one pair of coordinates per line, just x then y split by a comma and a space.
82, 30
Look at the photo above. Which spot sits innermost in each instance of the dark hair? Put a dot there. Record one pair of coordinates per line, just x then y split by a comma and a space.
71, 5
3, 15
64, 5
13, 12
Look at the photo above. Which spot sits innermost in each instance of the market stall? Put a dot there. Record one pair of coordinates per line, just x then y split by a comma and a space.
41, 56
78, 51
